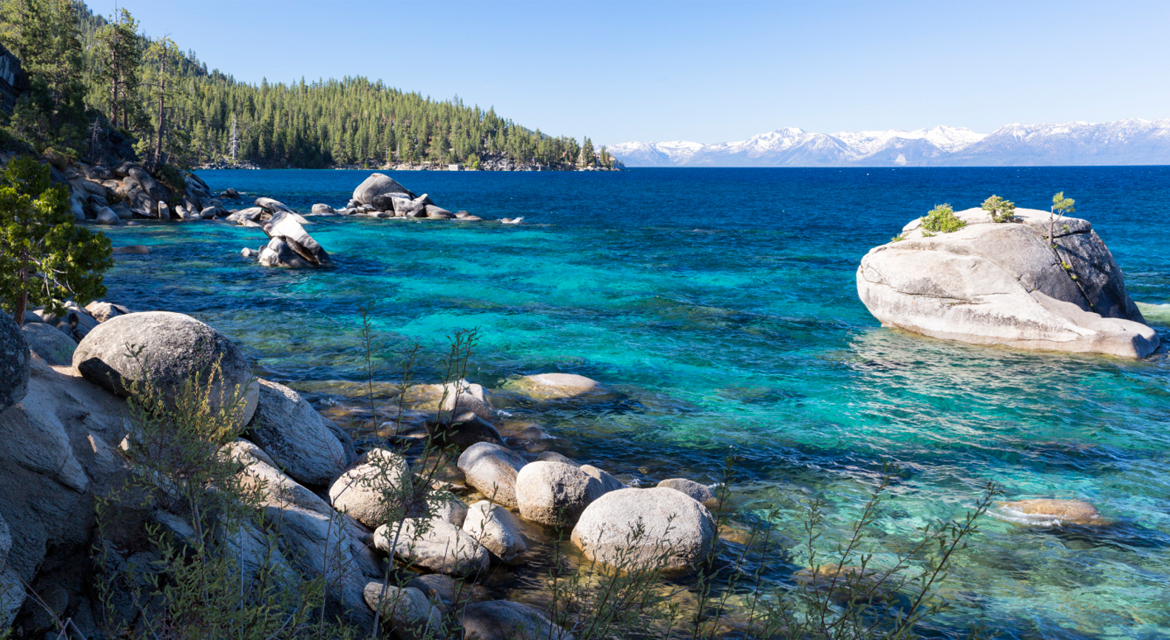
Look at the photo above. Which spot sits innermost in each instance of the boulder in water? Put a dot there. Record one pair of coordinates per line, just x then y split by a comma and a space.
378, 191
492, 470
1049, 512
283, 225
1004, 284
675, 530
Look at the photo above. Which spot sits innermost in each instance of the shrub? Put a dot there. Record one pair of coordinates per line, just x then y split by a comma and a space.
999, 209
942, 219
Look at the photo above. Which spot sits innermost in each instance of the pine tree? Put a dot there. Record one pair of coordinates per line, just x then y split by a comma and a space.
120, 54
586, 158
45, 35
44, 258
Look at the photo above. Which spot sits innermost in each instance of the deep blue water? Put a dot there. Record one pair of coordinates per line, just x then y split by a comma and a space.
722, 303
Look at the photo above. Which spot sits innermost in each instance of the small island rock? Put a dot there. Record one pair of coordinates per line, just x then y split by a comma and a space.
1003, 284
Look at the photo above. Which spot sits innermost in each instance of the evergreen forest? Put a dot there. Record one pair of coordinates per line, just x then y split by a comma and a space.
99, 89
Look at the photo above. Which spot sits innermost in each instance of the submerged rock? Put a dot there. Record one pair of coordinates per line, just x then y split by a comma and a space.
1047, 511
1003, 284
645, 528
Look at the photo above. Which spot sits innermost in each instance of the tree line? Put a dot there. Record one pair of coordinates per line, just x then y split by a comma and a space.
96, 85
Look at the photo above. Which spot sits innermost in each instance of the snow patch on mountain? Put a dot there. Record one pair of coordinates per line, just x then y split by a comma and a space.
1131, 141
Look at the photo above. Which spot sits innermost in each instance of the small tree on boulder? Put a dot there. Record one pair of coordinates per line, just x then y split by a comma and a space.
999, 209
44, 257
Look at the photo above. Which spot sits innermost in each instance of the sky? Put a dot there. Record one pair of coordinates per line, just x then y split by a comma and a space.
712, 71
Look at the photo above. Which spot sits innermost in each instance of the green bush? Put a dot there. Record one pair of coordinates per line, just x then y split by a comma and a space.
999, 209
942, 219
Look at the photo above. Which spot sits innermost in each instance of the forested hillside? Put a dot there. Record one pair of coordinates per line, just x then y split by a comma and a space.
96, 86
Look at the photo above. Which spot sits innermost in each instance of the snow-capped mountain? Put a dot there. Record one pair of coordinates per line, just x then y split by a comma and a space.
1130, 141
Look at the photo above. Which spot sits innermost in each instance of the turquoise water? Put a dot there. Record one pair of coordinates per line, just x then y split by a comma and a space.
722, 304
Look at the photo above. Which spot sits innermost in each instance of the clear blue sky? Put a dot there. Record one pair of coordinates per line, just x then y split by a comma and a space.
706, 71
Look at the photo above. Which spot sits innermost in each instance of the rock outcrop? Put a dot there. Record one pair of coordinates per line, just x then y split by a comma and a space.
173, 350
14, 356
1003, 284
379, 190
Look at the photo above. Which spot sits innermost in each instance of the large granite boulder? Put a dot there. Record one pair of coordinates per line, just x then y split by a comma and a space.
675, 530
492, 470
284, 225
379, 190
174, 350
13, 362
555, 493
504, 620
1003, 284
291, 431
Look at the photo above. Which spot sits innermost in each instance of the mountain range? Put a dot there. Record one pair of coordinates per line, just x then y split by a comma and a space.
1124, 142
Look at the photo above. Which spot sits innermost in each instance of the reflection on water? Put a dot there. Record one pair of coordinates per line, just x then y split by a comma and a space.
747, 340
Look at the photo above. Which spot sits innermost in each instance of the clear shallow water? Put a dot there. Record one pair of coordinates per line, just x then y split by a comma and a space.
722, 303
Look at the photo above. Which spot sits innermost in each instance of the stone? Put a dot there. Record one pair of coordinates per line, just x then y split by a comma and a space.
372, 491
553, 456
405, 612
291, 431
676, 531
446, 506
14, 362
251, 214
696, 491
496, 529
436, 587
1050, 512
164, 210
211, 213
317, 540
1003, 284
279, 253
323, 208
504, 620
284, 225
554, 494
435, 545
272, 206
377, 191
404, 208
133, 250
102, 311
608, 482
492, 470
231, 193
557, 386
122, 211
462, 431
76, 322
468, 218
106, 215
249, 253
174, 350
438, 212
53, 346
